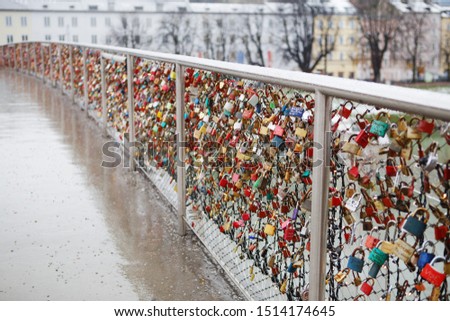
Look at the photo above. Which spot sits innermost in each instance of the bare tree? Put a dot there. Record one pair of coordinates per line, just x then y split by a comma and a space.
252, 34
178, 34
414, 39
219, 36
299, 34
131, 33
379, 22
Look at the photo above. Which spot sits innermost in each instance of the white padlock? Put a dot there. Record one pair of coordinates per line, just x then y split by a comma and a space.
352, 203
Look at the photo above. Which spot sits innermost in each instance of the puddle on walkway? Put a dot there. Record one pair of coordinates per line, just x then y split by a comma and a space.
72, 230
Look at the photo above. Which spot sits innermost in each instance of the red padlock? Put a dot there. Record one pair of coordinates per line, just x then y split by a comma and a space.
425, 127
289, 234
391, 169
447, 172
262, 214
246, 217
367, 286
362, 139
223, 182
247, 192
430, 274
336, 199
346, 110
386, 200
440, 232
353, 173
347, 234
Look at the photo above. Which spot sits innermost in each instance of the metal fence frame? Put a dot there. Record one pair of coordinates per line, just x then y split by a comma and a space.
428, 104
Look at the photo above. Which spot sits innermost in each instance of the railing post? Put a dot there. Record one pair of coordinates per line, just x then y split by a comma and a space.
29, 58
320, 185
20, 57
85, 81
181, 170
130, 76
72, 76
61, 81
104, 111
50, 61
42, 63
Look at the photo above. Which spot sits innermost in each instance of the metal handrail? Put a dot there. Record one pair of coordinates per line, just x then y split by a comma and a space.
413, 101
428, 104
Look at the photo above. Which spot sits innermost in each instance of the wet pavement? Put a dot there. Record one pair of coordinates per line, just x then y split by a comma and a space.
72, 230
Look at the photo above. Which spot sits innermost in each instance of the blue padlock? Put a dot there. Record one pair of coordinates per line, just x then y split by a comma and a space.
291, 268
425, 257
354, 263
415, 226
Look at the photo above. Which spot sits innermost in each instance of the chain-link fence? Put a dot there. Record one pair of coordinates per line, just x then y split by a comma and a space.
251, 156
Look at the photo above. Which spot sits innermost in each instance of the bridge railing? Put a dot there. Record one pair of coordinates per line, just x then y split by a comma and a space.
301, 186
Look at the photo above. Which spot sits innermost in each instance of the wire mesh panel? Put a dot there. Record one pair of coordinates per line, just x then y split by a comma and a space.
94, 81
389, 211
249, 172
77, 61
66, 68
155, 123
55, 77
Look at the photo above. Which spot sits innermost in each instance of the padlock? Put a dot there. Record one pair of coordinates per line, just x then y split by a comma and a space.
425, 127
341, 275
387, 247
403, 250
412, 132
351, 148
415, 226
354, 263
372, 241
353, 173
367, 286
284, 286
362, 123
435, 294
353, 203
346, 109
377, 255
363, 138
348, 232
335, 200
391, 168
348, 217
378, 127
350, 190
269, 229
440, 232
424, 256
289, 234
430, 161
430, 274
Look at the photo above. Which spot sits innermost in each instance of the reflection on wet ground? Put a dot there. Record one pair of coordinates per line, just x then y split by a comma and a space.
72, 230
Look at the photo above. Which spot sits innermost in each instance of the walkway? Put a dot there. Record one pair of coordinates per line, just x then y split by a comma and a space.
72, 230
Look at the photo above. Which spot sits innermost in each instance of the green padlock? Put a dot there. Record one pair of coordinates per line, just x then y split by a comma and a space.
378, 127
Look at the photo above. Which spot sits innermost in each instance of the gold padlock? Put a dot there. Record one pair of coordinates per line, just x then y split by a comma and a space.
271, 262
341, 275
348, 217
387, 247
403, 250
412, 131
283, 286
269, 229
435, 293
447, 268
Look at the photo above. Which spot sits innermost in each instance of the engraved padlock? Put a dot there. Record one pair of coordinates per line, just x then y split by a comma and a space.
414, 225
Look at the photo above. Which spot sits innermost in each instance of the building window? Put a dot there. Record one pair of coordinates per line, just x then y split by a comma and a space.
74, 22
61, 37
8, 21
75, 38
94, 39
48, 37
330, 24
149, 22
23, 21
108, 21
341, 40
9, 39
93, 21
61, 21
330, 56
352, 24
341, 24
351, 75
341, 57
351, 40
448, 27
341, 74
93, 7
108, 40
24, 37
47, 21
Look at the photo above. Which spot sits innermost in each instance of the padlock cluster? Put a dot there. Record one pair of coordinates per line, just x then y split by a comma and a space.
94, 80
56, 63
65, 65
155, 119
389, 210
77, 58
249, 150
